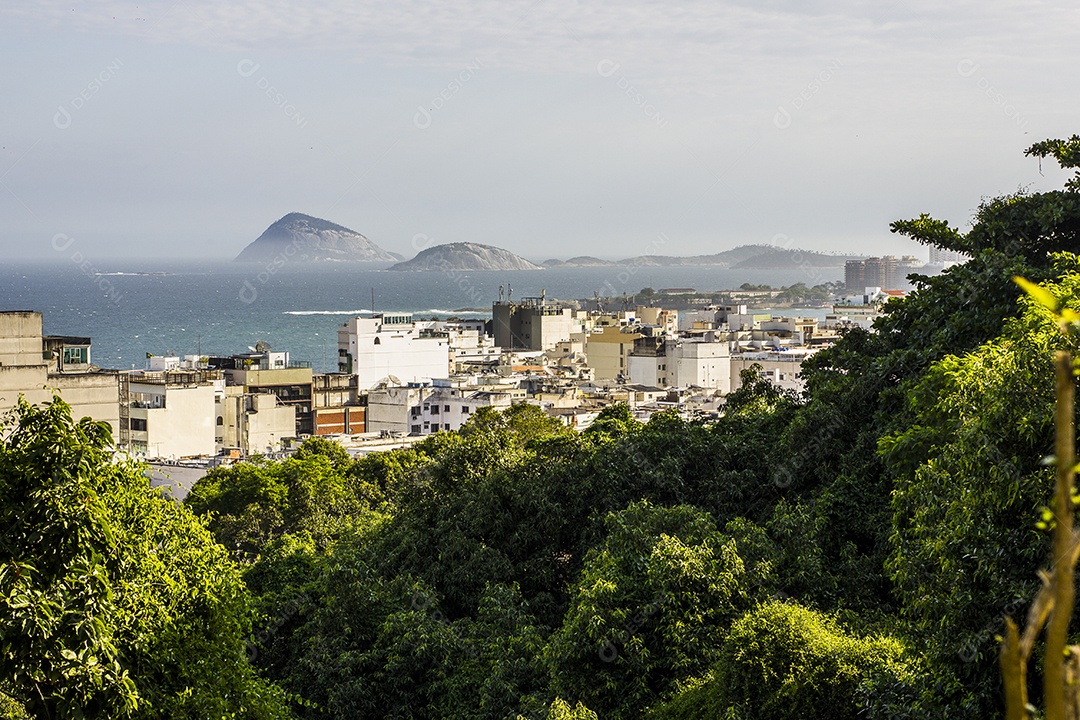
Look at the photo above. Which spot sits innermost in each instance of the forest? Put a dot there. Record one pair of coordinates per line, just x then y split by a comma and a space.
849, 552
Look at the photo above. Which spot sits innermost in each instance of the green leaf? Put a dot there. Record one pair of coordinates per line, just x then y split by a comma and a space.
1043, 296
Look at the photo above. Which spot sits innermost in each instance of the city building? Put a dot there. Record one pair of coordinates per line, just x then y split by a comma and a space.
470, 349
779, 367
389, 408
338, 406
939, 256
35, 365
252, 423
671, 361
533, 324
172, 413
608, 351
887, 272
391, 347
266, 371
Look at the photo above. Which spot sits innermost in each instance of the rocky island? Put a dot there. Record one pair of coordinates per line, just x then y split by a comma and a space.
465, 256
303, 237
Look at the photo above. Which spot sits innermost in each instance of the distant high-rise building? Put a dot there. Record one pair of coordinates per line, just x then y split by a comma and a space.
938, 256
887, 272
855, 275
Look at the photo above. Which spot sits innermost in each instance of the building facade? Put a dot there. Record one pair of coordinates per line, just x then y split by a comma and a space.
33, 365
533, 324
391, 347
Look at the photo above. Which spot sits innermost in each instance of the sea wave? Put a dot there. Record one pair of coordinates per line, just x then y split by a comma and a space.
326, 312
429, 311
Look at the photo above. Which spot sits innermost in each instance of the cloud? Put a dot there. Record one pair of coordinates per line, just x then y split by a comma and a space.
701, 48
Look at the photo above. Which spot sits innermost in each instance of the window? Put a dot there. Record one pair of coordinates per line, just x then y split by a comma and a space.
446, 427
378, 341
220, 420
75, 356
138, 424
415, 412
464, 409
446, 408
414, 429
434, 409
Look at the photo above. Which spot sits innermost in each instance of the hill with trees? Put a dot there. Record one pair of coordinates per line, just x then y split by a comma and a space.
846, 553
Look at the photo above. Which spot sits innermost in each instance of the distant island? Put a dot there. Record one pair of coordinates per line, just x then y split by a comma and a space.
465, 256
580, 261
305, 238
742, 257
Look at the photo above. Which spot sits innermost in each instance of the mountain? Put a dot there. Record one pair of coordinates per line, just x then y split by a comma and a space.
775, 257
303, 237
466, 256
743, 256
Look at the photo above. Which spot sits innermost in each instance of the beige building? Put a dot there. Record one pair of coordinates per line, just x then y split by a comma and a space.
253, 423
173, 413
35, 365
608, 352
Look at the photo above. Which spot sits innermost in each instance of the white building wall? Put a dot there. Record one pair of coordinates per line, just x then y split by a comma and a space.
783, 372
703, 364
389, 409
180, 425
647, 370
447, 410
267, 423
382, 350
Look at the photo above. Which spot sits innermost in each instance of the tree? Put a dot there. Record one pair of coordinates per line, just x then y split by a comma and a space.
648, 611
967, 486
782, 660
114, 601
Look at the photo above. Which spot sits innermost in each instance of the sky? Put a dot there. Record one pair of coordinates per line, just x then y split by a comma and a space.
551, 128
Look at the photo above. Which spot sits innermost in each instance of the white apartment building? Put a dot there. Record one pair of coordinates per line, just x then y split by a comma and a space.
448, 408
172, 414
470, 348
781, 368
391, 346
669, 361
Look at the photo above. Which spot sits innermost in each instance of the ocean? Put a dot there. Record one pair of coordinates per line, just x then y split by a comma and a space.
134, 307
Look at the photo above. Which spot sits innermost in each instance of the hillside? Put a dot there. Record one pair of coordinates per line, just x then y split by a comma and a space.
305, 238
743, 256
774, 257
465, 256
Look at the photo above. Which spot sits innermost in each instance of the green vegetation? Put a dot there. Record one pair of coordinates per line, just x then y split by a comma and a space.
848, 553
114, 601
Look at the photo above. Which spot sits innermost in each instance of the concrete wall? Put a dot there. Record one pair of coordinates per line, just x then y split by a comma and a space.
95, 395
388, 408
183, 428
781, 373
20, 338
703, 364
266, 423
646, 370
